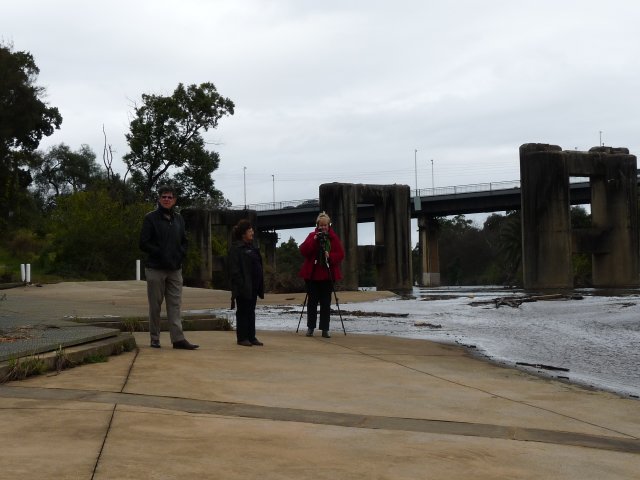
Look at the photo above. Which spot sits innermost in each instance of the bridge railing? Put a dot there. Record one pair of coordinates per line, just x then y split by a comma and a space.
422, 192
472, 188
285, 205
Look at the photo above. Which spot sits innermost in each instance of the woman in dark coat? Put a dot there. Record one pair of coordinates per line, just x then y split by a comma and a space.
322, 252
247, 283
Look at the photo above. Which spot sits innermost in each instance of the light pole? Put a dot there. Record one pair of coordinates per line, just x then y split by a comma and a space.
601, 138
433, 186
273, 179
415, 162
244, 181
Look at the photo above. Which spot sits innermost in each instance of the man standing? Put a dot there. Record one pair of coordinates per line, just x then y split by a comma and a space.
163, 239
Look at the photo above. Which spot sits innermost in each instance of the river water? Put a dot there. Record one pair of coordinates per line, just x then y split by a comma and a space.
592, 339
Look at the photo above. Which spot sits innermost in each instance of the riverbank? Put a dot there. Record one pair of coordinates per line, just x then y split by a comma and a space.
129, 298
588, 339
355, 406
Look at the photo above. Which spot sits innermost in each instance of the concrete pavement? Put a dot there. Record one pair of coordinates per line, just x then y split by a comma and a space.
348, 407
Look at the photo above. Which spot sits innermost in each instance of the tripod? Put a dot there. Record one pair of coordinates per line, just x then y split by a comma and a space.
335, 296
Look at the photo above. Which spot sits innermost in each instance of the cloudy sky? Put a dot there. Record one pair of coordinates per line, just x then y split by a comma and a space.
346, 90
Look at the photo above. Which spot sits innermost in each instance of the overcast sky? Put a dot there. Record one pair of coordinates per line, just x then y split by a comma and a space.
346, 90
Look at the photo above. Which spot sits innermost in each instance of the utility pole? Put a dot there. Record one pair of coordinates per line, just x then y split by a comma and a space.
433, 185
244, 181
273, 179
415, 162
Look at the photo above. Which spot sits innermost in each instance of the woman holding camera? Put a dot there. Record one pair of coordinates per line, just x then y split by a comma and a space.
322, 252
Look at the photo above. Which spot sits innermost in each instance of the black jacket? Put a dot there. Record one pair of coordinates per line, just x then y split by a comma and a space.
245, 271
163, 239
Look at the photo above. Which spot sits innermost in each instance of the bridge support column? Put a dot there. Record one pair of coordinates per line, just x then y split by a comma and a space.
429, 232
392, 217
614, 213
339, 200
268, 241
201, 225
392, 230
546, 222
198, 226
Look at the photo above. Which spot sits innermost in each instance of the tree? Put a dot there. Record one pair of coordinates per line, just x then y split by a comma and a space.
288, 261
24, 120
510, 247
94, 236
165, 137
465, 254
62, 172
582, 262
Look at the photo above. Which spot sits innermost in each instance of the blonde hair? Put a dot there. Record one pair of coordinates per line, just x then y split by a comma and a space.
323, 215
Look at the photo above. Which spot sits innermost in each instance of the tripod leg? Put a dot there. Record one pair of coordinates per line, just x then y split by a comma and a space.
338, 306
302, 312
335, 296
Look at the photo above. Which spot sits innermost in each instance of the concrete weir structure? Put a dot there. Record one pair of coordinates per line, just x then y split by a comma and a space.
392, 251
548, 240
200, 224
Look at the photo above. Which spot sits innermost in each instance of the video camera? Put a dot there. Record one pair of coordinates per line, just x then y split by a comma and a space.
322, 236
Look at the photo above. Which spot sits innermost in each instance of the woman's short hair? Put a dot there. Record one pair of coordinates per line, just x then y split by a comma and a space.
323, 216
241, 228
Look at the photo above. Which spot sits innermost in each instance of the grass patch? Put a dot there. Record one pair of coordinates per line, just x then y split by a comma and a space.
21, 368
95, 358
132, 324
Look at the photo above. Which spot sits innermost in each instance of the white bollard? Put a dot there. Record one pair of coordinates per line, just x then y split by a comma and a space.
28, 279
138, 270
22, 272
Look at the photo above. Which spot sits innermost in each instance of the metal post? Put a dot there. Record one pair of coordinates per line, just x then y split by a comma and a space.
273, 178
415, 162
244, 180
433, 186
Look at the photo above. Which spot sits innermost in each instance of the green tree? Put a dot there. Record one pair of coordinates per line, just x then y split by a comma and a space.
165, 139
465, 255
288, 263
582, 262
63, 172
94, 236
24, 120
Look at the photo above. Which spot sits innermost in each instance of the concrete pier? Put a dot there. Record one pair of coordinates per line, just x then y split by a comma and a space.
547, 241
392, 234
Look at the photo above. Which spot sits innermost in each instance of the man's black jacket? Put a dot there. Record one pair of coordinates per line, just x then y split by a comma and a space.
163, 239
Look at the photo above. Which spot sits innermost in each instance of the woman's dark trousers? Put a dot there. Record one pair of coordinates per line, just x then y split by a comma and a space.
246, 318
319, 292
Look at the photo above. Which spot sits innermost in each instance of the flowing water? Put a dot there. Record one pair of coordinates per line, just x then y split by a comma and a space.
591, 339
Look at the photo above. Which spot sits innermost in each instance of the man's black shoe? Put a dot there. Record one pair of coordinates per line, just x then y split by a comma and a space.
325, 334
155, 343
184, 345
256, 342
245, 343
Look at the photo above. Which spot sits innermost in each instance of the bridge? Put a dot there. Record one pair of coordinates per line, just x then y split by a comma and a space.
602, 177
436, 202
